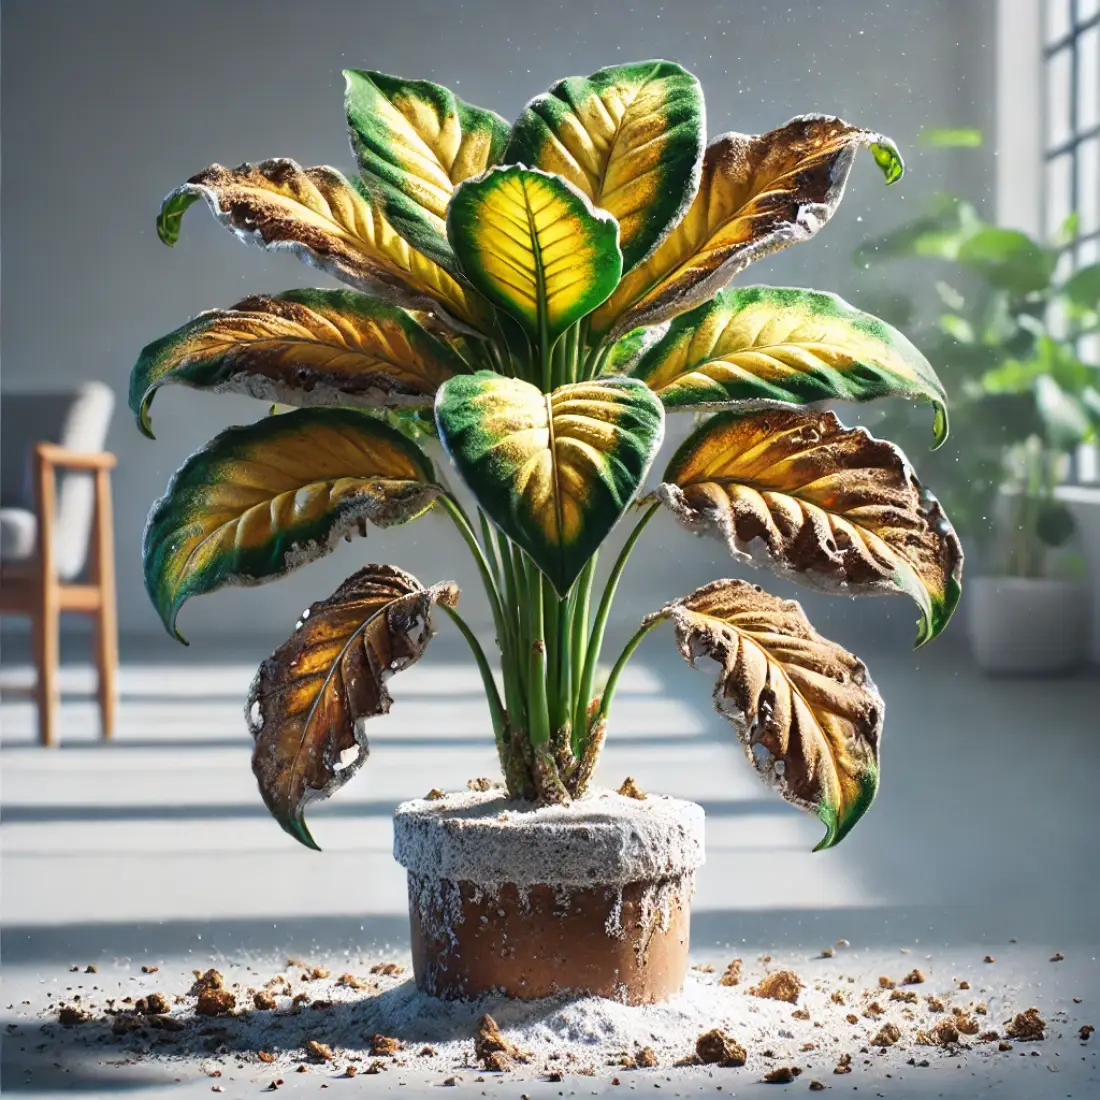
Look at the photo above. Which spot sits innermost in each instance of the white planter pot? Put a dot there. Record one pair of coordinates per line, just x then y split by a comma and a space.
1028, 625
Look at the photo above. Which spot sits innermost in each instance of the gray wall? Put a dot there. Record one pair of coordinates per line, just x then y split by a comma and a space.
108, 105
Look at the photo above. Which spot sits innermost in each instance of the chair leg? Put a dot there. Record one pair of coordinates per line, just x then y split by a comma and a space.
46, 635
106, 621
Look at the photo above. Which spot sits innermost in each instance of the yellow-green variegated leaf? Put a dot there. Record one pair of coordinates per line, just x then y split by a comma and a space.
536, 247
304, 347
259, 501
415, 142
310, 701
820, 504
326, 221
768, 344
553, 471
630, 137
758, 193
805, 710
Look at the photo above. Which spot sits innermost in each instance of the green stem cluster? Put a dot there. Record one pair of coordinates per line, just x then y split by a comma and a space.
548, 723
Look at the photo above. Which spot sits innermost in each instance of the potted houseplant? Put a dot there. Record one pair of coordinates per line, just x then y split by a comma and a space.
530, 302
1008, 339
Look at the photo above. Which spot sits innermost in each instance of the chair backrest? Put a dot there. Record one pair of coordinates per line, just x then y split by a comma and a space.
77, 419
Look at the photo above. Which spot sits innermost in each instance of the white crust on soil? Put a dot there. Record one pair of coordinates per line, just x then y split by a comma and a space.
603, 839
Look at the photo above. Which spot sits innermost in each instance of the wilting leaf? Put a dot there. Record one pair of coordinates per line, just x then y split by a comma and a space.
304, 347
324, 220
827, 506
310, 700
553, 471
805, 710
259, 501
762, 343
758, 193
415, 142
535, 246
629, 137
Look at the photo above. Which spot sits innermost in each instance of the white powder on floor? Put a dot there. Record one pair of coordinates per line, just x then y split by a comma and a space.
839, 1012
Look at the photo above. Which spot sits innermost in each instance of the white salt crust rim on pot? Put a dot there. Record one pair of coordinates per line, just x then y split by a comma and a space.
601, 839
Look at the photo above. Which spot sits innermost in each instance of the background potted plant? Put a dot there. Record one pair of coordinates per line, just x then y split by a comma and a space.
536, 298
1005, 339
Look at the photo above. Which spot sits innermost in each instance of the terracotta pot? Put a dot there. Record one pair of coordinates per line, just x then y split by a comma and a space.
591, 898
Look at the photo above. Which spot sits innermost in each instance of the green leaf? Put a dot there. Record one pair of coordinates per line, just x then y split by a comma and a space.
1065, 421
304, 347
259, 501
1083, 287
630, 138
767, 344
556, 471
1008, 259
939, 232
948, 138
536, 247
415, 142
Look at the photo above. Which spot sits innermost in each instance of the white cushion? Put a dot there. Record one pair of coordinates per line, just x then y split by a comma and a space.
18, 534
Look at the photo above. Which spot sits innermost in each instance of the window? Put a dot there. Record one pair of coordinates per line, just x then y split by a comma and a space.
1071, 149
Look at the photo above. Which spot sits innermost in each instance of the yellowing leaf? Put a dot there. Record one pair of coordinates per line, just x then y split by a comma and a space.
827, 506
259, 501
767, 344
535, 246
304, 347
324, 220
758, 193
553, 471
629, 137
415, 142
310, 700
804, 709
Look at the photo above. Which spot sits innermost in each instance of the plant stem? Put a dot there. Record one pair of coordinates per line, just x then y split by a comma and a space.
490, 547
492, 693
466, 531
620, 664
538, 712
580, 722
582, 592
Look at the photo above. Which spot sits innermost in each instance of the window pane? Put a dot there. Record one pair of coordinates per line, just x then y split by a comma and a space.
1058, 192
1059, 71
1088, 79
1086, 9
1056, 21
1088, 186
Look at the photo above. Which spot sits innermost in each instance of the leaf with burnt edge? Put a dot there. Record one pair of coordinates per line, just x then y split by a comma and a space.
805, 710
310, 700
820, 504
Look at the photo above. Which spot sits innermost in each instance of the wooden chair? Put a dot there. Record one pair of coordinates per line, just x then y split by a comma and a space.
58, 554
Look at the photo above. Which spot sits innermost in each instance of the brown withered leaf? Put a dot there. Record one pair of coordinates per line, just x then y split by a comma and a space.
316, 214
805, 710
820, 504
758, 193
309, 702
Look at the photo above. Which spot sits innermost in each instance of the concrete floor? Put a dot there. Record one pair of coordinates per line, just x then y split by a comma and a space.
158, 848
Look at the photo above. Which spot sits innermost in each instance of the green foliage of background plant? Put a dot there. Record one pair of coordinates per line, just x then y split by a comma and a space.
1004, 341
